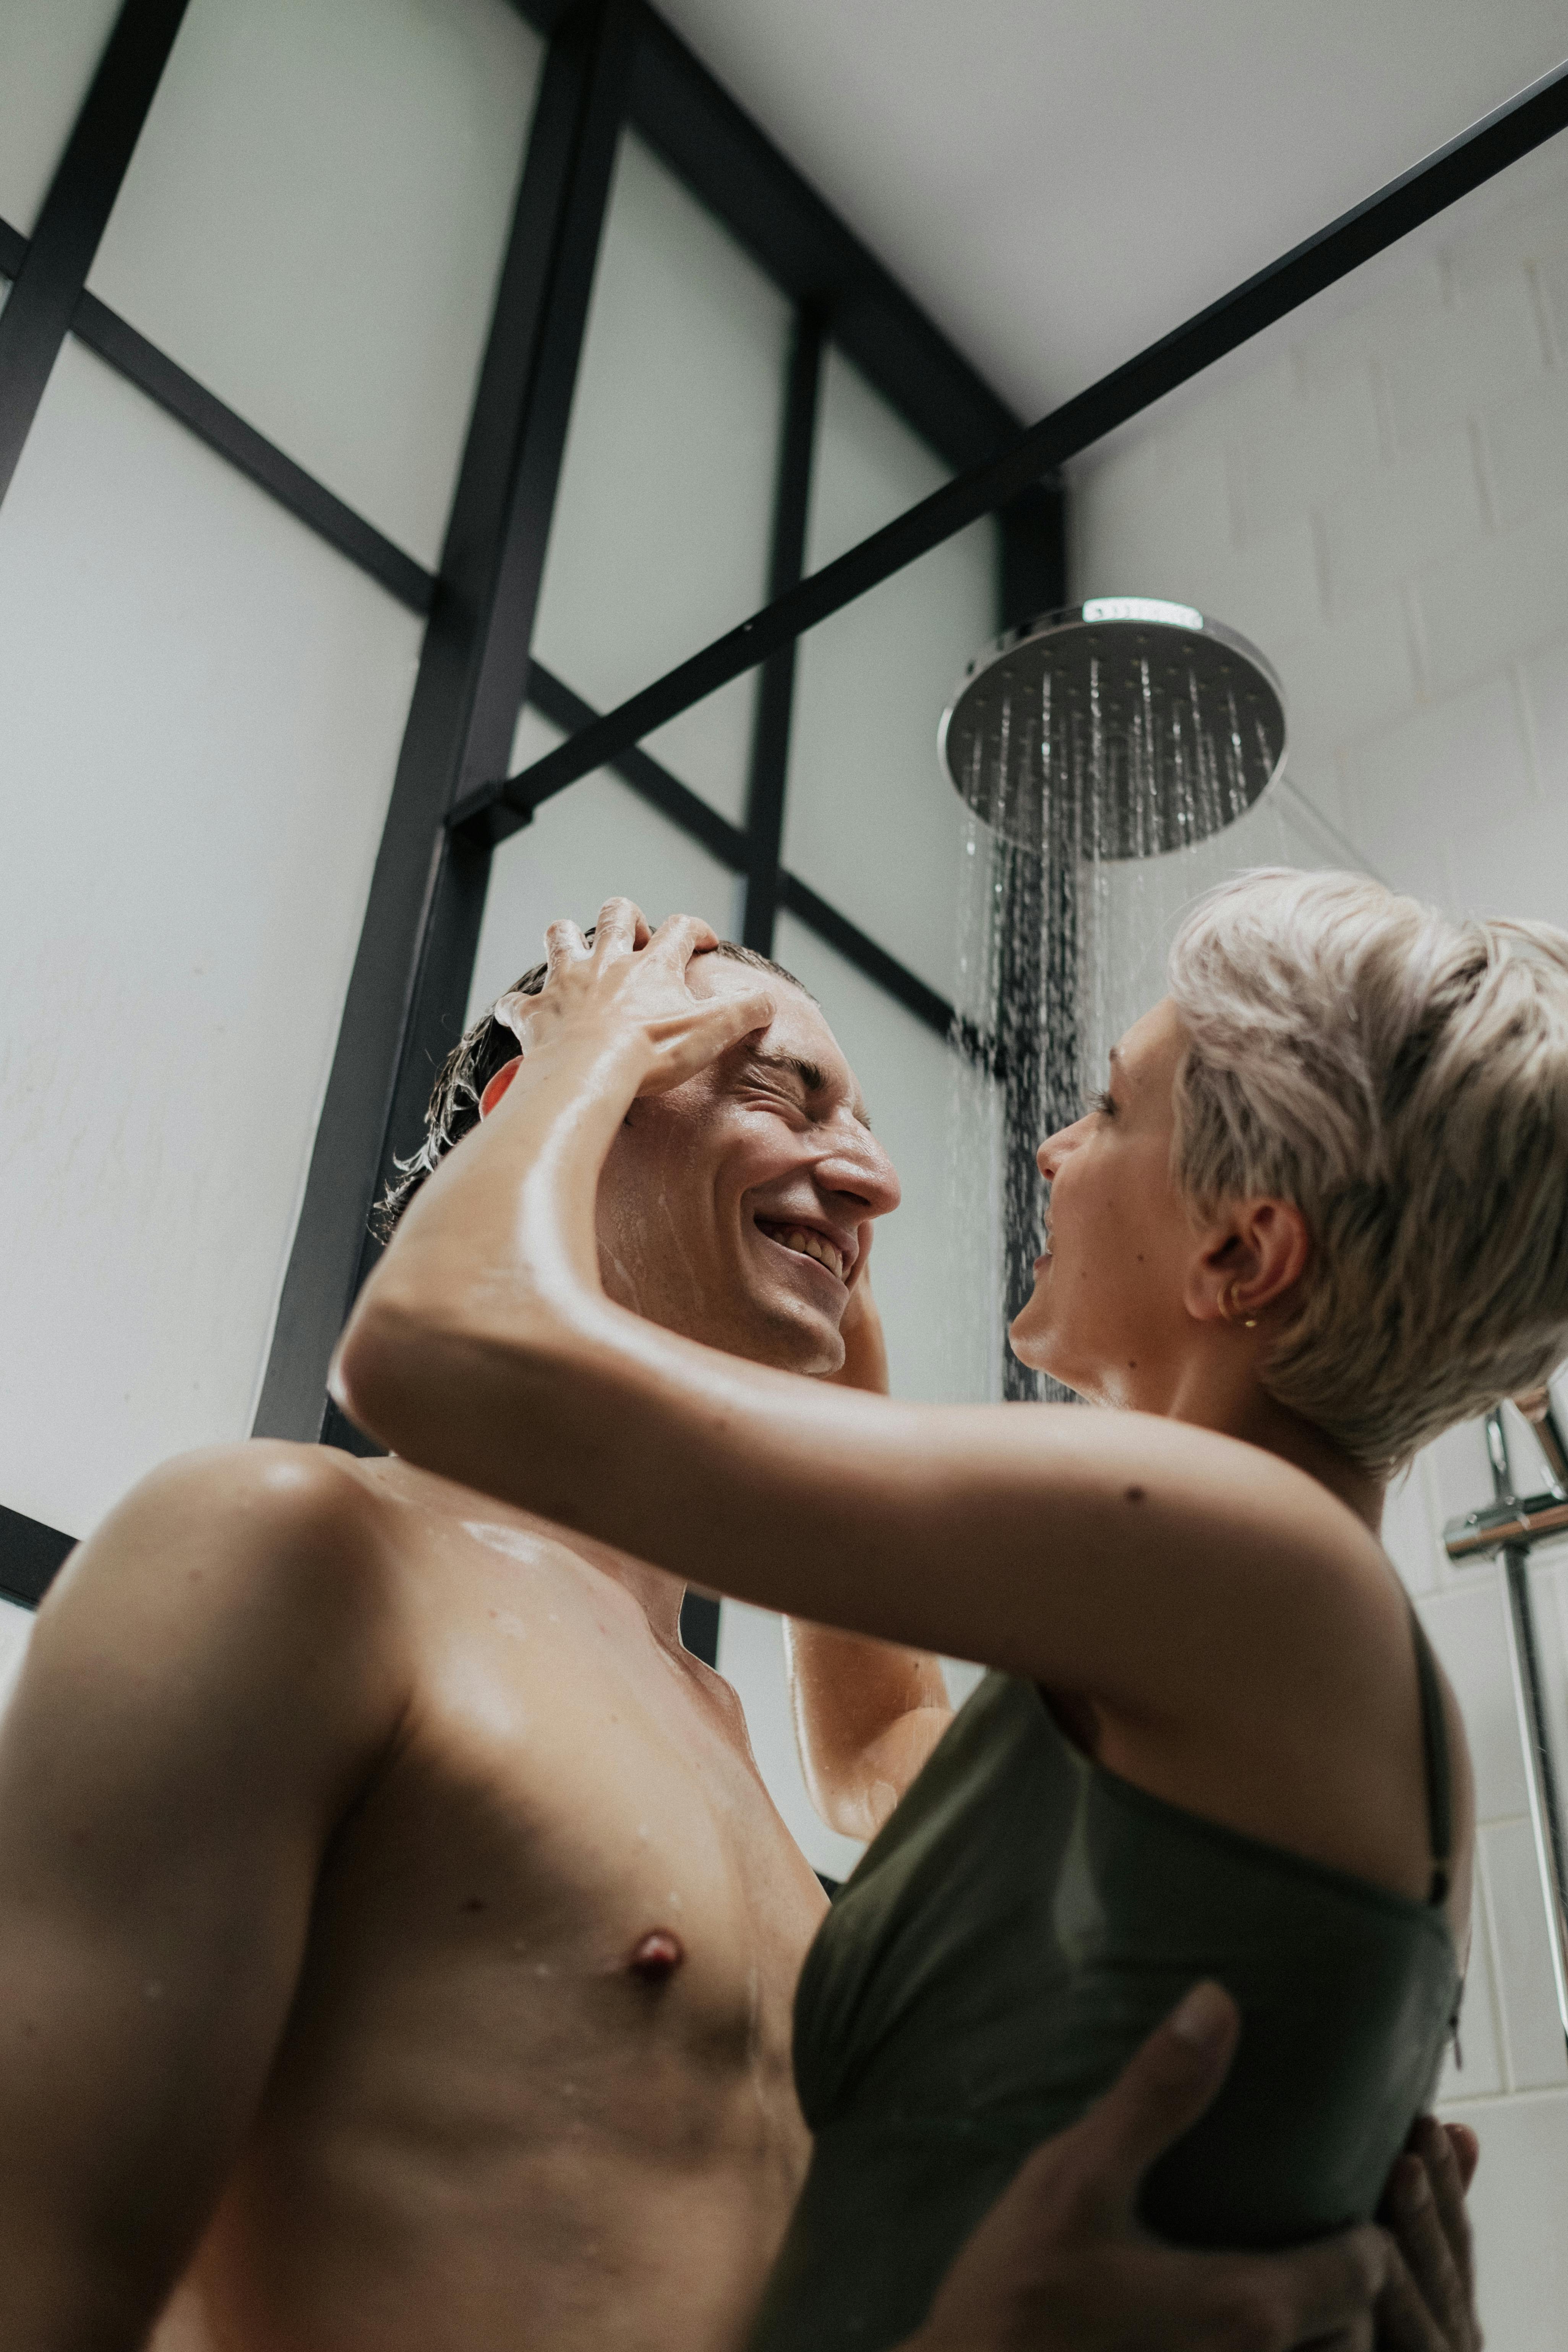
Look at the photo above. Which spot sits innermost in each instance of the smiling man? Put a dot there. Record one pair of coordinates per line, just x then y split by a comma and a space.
397, 1945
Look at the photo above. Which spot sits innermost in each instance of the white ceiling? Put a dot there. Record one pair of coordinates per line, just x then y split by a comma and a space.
1059, 182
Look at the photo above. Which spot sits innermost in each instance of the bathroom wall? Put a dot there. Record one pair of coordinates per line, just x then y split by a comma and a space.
201, 702
1377, 494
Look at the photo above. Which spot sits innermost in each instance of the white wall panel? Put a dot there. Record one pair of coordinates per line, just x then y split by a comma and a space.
314, 222
200, 710
871, 822
594, 841
664, 515
49, 51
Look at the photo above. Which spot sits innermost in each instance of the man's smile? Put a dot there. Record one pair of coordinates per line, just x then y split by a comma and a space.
809, 1241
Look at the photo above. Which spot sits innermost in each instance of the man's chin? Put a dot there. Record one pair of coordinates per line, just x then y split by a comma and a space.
790, 1336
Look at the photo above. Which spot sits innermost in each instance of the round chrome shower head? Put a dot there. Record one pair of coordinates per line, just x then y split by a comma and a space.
1126, 726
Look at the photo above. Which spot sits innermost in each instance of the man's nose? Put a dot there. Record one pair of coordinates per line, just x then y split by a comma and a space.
862, 1171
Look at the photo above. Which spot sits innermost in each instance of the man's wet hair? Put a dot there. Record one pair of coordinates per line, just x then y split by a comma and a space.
480, 1053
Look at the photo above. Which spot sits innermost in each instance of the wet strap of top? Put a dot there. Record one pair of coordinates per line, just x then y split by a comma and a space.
1434, 1752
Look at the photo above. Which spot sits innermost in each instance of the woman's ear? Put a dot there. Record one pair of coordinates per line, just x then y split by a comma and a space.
1248, 1263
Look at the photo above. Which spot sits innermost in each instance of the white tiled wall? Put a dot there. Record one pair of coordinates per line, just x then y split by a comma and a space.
1380, 499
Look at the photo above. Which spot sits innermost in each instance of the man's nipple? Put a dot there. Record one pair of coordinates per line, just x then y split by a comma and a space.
657, 1958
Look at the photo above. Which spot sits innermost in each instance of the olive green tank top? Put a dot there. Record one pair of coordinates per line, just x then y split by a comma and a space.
1022, 1922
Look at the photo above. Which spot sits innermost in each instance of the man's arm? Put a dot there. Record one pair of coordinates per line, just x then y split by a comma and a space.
866, 1713
208, 1686
1060, 2263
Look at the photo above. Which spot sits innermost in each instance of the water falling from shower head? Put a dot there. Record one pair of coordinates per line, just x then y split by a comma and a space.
1147, 726
1096, 747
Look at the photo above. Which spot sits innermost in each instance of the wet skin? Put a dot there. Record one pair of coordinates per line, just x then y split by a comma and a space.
393, 1827
537, 2059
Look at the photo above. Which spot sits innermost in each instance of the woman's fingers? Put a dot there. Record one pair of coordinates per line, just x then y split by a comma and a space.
704, 1028
563, 945
511, 1009
622, 927
680, 936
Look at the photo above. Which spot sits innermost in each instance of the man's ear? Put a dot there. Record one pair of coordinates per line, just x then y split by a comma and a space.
1248, 1261
498, 1085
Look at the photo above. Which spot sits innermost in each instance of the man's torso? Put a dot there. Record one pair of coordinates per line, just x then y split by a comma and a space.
500, 2115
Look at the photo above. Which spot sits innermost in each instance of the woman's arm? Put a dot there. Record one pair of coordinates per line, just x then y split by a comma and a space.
866, 1714
1146, 1562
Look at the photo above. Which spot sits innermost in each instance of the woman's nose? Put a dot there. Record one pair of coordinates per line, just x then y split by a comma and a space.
1055, 1148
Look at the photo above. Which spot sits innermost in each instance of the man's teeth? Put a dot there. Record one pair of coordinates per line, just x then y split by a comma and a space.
809, 1244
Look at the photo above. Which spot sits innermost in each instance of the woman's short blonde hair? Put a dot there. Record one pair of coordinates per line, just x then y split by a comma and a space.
1402, 1077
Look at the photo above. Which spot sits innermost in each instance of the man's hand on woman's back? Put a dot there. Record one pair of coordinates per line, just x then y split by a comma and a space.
1062, 2264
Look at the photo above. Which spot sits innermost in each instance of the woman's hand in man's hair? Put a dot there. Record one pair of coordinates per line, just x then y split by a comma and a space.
1061, 2264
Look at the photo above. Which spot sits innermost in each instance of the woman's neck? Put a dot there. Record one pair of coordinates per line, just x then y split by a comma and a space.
1250, 1413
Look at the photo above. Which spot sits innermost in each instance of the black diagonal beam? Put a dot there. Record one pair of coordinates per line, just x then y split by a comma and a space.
731, 847
31, 1557
1355, 237
180, 396
37, 318
775, 685
415, 952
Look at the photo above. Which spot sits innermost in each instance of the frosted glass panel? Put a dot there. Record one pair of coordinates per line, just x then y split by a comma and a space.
871, 822
200, 711
909, 1079
49, 51
662, 524
594, 841
313, 223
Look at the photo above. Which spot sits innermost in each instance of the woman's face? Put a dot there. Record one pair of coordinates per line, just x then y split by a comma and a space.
1108, 1315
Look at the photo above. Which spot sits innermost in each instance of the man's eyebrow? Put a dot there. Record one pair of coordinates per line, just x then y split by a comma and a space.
811, 1074
812, 1077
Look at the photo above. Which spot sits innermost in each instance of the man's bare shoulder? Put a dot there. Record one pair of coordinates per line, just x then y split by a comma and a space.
265, 1542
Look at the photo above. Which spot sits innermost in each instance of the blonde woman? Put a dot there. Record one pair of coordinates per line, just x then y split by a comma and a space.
1320, 1213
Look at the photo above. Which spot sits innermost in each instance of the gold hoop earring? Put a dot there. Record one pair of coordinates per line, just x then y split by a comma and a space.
1227, 1307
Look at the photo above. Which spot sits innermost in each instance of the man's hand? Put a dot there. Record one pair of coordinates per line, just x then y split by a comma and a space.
1424, 2207
1061, 2264
866, 1714
865, 1364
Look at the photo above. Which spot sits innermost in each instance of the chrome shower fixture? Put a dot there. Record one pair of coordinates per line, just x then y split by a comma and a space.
1127, 726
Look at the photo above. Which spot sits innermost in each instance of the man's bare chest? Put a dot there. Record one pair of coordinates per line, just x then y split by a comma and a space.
572, 1841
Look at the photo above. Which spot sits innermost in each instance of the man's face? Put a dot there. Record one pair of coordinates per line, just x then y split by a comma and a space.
737, 1208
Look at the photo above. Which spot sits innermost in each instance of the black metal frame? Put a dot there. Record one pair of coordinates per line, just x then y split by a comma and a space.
52, 271
611, 64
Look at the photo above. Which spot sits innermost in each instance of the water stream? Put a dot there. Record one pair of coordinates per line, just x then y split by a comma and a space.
1066, 905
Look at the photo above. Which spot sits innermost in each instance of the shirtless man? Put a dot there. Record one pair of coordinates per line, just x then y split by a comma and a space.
396, 1943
